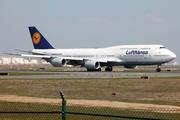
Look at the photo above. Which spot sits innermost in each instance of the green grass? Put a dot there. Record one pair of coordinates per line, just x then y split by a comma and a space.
156, 90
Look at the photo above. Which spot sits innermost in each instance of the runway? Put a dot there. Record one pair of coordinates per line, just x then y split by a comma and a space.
83, 74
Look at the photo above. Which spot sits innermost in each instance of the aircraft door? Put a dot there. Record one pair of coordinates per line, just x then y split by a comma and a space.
97, 55
147, 57
159, 57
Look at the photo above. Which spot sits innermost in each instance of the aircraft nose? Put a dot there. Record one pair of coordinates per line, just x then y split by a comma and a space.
173, 55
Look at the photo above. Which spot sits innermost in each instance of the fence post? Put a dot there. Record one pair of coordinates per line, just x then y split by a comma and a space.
63, 105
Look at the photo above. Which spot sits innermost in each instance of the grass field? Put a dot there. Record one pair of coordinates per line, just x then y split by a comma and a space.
154, 90
41, 107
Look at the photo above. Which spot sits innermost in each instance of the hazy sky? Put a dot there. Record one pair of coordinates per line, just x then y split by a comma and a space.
90, 23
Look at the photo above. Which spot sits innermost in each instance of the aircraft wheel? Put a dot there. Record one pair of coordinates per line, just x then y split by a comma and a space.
158, 70
99, 69
108, 69
91, 70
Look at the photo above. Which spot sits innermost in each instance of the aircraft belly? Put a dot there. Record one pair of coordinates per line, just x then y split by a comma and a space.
144, 63
113, 64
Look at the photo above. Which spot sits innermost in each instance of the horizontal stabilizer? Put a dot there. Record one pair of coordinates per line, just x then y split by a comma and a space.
12, 54
26, 55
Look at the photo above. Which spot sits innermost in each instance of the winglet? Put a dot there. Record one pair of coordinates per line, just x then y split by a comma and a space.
38, 39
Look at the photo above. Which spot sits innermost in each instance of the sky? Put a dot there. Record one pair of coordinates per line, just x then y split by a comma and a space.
90, 23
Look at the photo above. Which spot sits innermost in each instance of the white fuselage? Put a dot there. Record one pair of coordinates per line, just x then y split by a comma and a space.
118, 55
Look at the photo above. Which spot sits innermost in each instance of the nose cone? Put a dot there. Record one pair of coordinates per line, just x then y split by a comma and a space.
173, 56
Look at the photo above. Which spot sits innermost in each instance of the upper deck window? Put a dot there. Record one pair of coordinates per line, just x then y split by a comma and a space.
162, 47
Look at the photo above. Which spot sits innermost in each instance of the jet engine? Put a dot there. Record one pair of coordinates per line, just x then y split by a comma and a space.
58, 62
92, 65
130, 66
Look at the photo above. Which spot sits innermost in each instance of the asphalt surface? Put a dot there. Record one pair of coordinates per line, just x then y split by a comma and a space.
84, 74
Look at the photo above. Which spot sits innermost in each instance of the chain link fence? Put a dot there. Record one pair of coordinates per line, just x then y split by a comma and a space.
61, 110
81, 112
32, 111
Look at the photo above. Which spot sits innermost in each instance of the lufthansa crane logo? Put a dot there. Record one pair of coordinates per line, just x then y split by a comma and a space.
36, 38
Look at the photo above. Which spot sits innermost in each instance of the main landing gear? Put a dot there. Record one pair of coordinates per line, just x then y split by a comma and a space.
109, 68
99, 69
158, 68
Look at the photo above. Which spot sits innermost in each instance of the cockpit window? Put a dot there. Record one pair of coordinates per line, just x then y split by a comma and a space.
162, 47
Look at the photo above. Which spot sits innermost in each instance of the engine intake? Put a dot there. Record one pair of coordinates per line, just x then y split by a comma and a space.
92, 65
58, 62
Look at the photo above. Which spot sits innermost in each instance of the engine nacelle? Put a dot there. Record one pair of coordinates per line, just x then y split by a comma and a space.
58, 62
130, 66
92, 65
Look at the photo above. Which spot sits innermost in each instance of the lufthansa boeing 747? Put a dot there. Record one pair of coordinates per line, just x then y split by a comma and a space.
93, 59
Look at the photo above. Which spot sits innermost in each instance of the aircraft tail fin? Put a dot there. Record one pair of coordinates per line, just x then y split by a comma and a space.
38, 39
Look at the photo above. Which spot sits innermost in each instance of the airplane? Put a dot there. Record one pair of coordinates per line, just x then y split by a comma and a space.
94, 59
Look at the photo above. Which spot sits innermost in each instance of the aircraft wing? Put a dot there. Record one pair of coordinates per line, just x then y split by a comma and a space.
45, 56
106, 60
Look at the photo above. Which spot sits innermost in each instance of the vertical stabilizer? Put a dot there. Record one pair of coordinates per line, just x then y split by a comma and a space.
38, 39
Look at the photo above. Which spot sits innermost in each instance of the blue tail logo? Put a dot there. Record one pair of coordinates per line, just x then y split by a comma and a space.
38, 39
